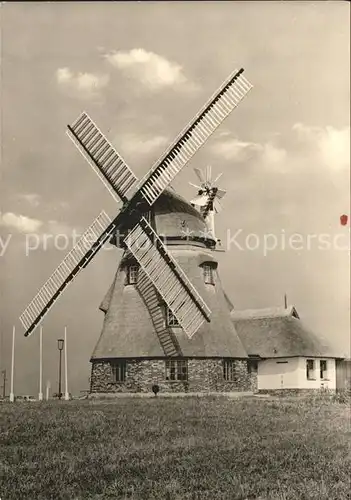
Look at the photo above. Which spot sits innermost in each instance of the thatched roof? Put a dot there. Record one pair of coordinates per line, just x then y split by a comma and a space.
277, 332
174, 218
134, 324
129, 329
229, 302
268, 312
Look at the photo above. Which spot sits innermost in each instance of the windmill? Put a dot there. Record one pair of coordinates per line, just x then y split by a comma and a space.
208, 196
138, 197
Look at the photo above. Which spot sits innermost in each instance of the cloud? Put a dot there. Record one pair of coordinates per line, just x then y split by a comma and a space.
233, 149
333, 145
60, 228
152, 70
32, 199
300, 177
133, 144
20, 223
84, 85
27, 225
241, 151
272, 154
327, 147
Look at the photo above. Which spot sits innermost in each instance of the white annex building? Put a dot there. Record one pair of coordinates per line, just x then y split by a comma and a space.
289, 356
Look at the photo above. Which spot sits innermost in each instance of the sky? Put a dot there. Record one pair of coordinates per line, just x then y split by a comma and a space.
142, 70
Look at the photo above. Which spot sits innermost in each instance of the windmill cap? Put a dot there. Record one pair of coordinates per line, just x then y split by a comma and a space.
175, 219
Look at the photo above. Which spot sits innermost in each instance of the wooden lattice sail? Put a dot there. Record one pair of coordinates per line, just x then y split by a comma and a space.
165, 274
136, 322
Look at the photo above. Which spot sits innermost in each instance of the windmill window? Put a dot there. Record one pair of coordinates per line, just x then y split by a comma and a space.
310, 369
133, 272
177, 369
171, 319
118, 369
229, 370
323, 368
208, 274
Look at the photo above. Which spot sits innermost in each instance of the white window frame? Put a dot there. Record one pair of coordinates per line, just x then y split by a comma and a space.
132, 274
176, 370
323, 374
311, 372
171, 320
229, 374
208, 274
118, 370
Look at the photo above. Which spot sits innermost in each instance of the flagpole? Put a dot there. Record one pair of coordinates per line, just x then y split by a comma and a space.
41, 364
66, 370
48, 385
12, 396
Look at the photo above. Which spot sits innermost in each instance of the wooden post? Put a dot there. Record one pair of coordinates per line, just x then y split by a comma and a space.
4, 384
12, 396
40, 395
66, 367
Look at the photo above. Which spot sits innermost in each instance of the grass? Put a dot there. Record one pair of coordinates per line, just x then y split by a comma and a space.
195, 448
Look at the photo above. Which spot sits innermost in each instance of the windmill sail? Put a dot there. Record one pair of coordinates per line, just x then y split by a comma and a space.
209, 193
209, 205
220, 193
80, 255
168, 277
92, 143
194, 135
217, 205
199, 175
208, 173
181, 297
207, 200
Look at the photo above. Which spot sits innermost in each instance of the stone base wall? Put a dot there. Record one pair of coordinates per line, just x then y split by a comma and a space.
294, 392
253, 382
204, 375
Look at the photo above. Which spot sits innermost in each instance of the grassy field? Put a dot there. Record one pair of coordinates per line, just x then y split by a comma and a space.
195, 448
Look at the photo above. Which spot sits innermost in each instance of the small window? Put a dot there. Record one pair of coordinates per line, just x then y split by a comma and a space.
133, 272
208, 274
252, 366
310, 369
118, 371
171, 319
177, 369
323, 369
229, 369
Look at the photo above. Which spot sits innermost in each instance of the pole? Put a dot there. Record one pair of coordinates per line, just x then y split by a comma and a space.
4, 384
211, 223
285, 301
12, 396
40, 397
59, 391
48, 385
47, 390
66, 367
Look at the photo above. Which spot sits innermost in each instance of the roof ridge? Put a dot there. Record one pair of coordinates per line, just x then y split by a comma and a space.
279, 335
266, 312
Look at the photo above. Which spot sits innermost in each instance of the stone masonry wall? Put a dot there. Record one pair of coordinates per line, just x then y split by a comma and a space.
204, 375
294, 392
253, 382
